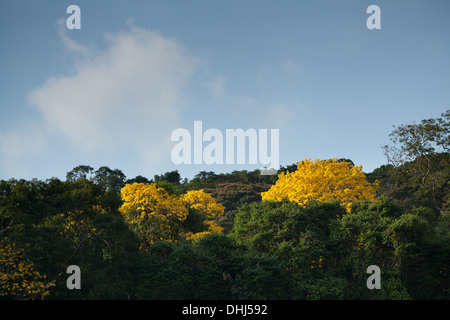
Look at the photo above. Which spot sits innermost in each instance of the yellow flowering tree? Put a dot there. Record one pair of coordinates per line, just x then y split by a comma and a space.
206, 204
153, 213
323, 181
18, 279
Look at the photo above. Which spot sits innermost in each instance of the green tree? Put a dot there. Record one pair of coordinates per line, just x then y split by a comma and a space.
108, 179
59, 223
171, 177
421, 160
138, 179
18, 279
213, 267
80, 172
327, 250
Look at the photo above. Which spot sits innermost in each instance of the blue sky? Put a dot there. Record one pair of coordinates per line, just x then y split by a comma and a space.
112, 92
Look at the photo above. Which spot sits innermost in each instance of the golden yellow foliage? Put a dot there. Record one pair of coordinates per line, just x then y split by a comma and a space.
157, 215
204, 202
323, 181
153, 213
200, 200
18, 277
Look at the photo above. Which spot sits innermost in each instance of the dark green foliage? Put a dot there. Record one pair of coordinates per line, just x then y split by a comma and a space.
208, 179
80, 172
101, 243
171, 177
137, 179
420, 160
328, 251
169, 271
211, 268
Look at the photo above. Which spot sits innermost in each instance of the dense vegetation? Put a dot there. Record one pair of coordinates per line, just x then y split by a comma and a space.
164, 238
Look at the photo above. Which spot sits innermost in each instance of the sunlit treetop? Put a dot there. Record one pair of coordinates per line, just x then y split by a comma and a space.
323, 180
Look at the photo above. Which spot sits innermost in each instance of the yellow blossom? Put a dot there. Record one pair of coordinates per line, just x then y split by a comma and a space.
323, 181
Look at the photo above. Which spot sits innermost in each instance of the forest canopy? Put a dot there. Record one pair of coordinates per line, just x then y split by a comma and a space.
309, 232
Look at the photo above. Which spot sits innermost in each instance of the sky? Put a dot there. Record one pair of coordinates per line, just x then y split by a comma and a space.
112, 92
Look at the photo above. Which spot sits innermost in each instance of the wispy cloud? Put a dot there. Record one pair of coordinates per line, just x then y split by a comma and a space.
125, 99
128, 96
68, 43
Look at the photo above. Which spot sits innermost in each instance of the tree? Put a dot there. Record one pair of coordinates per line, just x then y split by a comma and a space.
138, 179
213, 267
156, 214
322, 181
210, 210
80, 172
84, 229
327, 251
200, 200
300, 237
58, 223
152, 212
171, 177
414, 141
206, 175
381, 174
110, 180
18, 278
421, 160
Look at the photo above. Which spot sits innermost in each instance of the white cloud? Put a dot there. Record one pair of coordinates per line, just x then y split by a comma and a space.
126, 99
68, 43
